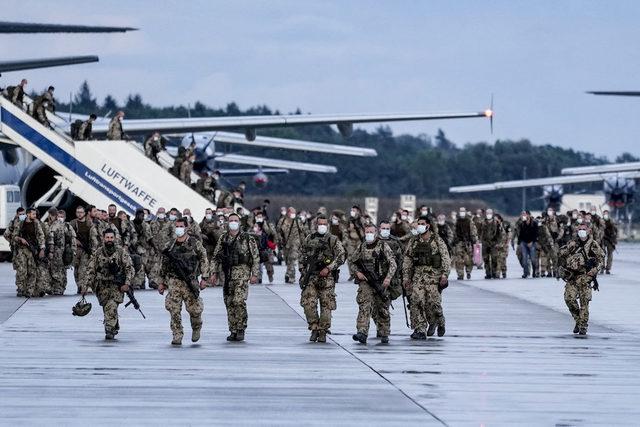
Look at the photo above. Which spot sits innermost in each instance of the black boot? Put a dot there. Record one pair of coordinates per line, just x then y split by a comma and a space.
431, 330
231, 337
441, 330
314, 336
286, 279
418, 335
576, 329
322, 336
362, 338
468, 276
240, 336
384, 339
583, 331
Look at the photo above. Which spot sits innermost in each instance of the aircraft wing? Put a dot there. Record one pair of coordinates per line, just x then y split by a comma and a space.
274, 163
617, 167
615, 92
26, 27
30, 64
538, 182
244, 172
254, 122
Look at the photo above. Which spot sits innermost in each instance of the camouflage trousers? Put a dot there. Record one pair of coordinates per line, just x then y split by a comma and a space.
463, 254
350, 247
109, 297
426, 302
178, 294
26, 272
235, 298
319, 291
548, 257
44, 276
502, 253
577, 294
609, 248
490, 257
142, 272
57, 273
268, 266
80, 266
371, 305
291, 254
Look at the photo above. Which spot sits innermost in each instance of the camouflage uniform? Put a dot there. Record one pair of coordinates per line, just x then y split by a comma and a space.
152, 148
491, 237
87, 243
57, 239
380, 259
162, 232
575, 256
141, 247
241, 254
503, 249
193, 229
25, 263
424, 263
44, 276
191, 250
85, 131
446, 234
290, 233
115, 132
320, 290
107, 285
548, 253
210, 231
9, 232
185, 171
609, 240
355, 236
465, 236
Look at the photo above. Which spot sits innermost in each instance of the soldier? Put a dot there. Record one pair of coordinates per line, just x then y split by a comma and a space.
547, 250
581, 260
492, 238
115, 132
110, 272
322, 254
183, 261
465, 237
425, 269
29, 245
266, 243
15, 94
445, 232
610, 238
162, 233
290, 234
355, 236
9, 232
209, 187
193, 228
210, 232
153, 146
374, 260
503, 248
186, 168
141, 247
55, 234
68, 254
85, 132
400, 224
86, 243
397, 248
236, 255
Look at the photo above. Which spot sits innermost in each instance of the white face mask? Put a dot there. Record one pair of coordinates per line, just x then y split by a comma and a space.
22, 217
489, 216
403, 217
234, 225
421, 229
172, 217
322, 229
394, 218
414, 232
424, 212
385, 233
579, 220
187, 217
369, 237
441, 222
582, 234
574, 215
120, 118
550, 213
146, 218
161, 216
593, 213
523, 217
259, 220
221, 222
353, 214
155, 138
283, 213
303, 218
209, 217
292, 216
60, 219
462, 214
453, 217
335, 221
179, 231
605, 216
220, 214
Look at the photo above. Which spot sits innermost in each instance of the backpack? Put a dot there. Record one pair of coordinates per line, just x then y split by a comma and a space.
75, 129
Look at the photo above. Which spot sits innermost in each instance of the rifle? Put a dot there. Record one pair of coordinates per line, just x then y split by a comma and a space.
314, 264
406, 299
372, 279
181, 269
119, 280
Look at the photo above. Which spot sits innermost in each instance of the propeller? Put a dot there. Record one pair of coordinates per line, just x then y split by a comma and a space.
489, 113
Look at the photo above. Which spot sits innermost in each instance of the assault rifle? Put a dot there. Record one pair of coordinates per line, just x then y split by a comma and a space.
315, 263
182, 269
372, 279
119, 280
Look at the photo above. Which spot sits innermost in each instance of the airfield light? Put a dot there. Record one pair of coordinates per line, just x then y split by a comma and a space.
488, 113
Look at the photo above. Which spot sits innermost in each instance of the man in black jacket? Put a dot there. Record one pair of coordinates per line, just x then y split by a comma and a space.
527, 238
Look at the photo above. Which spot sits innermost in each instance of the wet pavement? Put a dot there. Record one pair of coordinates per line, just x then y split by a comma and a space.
508, 357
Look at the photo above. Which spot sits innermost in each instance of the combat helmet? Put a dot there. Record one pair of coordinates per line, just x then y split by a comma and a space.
82, 308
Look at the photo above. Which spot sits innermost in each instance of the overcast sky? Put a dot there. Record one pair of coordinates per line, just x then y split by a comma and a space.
537, 58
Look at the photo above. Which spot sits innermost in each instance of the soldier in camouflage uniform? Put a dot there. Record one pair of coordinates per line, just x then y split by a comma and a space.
321, 257
210, 230
9, 232
465, 236
140, 246
42, 104
581, 260
153, 146
378, 258
445, 232
86, 243
115, 132
162, 233
355, 236
29, 245
290, 235
110, 273
609, 239
68, 253
193, 228
183, 261
186, 168
492, 238
56, 240
503, 247
237, 253
548, 252
425, 269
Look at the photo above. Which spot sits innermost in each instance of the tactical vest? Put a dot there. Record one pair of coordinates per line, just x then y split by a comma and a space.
424, 255
186, 256
231, 250
28, 232
463, 230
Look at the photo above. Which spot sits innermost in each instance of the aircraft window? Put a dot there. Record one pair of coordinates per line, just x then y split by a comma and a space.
16, 196
9, 196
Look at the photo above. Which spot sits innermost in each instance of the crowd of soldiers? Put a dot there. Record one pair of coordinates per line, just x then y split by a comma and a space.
111, 254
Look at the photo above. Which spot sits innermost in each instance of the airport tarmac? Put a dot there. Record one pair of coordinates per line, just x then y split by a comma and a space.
508, 357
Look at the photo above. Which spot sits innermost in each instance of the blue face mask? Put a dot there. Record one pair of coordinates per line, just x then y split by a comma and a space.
22, 217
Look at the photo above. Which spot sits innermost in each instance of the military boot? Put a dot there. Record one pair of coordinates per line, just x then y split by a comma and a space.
576, 329
153, 285
468, 276
583, 330
177, 340
270, 278
461, 277
314, 336
195, 335
360, 337
109, 336
608, 271
431, 330
240, 336
322, 336
504, 274
231, 337
416, 335
384, 339
286, 279
441, 330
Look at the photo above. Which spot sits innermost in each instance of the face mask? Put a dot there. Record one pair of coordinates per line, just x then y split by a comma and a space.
186, 217
369, 237
579, 220
385, 233
146, 218
172, 217
209, 217
593, 213
322, 229
489, 216
453, 217
574, 216
155, 138
523, 217
582, 234
424, 211
220, 214
120, 118
394, 218
550, 213
22, 217
234, 225
539, 224
403, 217
462, 214
292, 216
179, 231
414, 232
259, 220
335, 221
283, 213
60, 219
421, 229
605, 216
441, 222
353, 214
